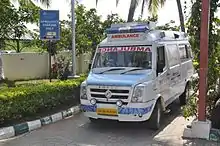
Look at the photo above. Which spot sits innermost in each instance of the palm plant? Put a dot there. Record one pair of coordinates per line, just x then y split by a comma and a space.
43, 2
153, 6
181, 17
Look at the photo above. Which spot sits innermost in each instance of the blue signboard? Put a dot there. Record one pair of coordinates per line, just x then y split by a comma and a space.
49, 25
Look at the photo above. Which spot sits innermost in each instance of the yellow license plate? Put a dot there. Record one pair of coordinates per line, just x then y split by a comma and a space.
107, 111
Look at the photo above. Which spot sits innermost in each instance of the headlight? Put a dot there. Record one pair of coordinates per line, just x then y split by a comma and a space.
93, 101
119, 103
83, 91
138, 94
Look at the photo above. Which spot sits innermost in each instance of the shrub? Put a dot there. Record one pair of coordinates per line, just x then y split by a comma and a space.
27, 101
60, 69
6, 82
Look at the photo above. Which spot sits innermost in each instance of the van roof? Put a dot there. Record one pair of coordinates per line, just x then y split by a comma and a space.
137, 33
148, 37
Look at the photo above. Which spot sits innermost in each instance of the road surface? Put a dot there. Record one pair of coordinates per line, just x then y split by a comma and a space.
78, 131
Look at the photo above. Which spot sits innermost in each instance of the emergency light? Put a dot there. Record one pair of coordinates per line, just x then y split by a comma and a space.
129, 29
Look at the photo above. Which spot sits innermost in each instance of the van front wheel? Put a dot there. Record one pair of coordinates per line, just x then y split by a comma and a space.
94, 121
155, 119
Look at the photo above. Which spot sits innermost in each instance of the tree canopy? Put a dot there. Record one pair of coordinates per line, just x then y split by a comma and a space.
193, 26
14, 19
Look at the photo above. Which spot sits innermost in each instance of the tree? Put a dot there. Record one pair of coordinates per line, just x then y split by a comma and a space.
181, 17
13, 27
153, 6
26, 13
111, 19
169, 26
89, 31
6, 18
213, 54
46, 3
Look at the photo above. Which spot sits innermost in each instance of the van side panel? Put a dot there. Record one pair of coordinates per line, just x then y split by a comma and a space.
186, 63
174, 70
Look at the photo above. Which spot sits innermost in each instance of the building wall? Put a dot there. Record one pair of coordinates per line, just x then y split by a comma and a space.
21, 66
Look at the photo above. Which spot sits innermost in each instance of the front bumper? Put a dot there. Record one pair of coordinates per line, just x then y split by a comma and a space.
130, 112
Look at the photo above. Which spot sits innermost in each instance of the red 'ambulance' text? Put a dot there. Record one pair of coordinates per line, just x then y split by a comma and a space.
120, 36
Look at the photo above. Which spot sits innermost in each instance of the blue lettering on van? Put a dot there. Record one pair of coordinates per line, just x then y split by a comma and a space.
88, 108
121, 110
133, 111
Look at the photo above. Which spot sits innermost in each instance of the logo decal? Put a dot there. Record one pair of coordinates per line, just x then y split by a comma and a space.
108, 94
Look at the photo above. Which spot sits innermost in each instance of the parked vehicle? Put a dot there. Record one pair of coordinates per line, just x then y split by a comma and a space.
137, 71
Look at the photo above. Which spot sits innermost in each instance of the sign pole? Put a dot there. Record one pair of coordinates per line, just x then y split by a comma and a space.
49, 30
49, 46
204, 42
73, 39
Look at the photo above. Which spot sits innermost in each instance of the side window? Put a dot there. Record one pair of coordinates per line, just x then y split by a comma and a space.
161, 63
185, 52
172, 54
189, 50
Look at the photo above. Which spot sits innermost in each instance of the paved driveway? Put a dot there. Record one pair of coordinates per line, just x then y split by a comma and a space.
78, 131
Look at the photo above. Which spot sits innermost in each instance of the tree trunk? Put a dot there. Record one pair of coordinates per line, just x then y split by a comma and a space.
181, 17
131, 10
18, 46
218, 86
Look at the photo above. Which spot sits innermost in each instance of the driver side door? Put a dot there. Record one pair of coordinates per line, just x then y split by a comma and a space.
163, 75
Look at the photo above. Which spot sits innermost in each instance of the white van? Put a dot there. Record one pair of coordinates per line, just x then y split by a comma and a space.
136, 73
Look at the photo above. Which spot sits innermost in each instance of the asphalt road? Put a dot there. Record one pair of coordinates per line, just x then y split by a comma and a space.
78, 131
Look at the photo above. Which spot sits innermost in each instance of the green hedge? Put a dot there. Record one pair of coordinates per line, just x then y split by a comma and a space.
29, 100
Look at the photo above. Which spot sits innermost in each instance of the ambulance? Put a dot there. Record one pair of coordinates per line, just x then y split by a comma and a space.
136, 72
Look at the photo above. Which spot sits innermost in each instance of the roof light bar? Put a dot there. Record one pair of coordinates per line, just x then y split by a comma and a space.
130, 29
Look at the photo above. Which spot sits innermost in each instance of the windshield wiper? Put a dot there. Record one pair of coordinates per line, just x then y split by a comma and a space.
112, 69
133, 69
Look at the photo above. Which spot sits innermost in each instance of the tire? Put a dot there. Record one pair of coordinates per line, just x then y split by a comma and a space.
185, 95
155, 120
93, 121
96, 121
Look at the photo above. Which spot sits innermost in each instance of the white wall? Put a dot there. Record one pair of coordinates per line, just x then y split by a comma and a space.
18, 66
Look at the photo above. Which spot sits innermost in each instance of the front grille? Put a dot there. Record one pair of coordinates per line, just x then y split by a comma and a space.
113, 96
113, 90
116, 93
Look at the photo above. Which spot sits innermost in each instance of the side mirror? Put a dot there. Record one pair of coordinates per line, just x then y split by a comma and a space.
160, 69
90, 65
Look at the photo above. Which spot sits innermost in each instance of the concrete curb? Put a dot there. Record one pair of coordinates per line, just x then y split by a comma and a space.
9, 132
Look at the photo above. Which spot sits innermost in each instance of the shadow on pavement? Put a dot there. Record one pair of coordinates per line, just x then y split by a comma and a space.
78, 131
142, 132
138, 130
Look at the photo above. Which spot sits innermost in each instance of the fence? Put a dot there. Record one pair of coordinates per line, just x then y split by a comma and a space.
22, 66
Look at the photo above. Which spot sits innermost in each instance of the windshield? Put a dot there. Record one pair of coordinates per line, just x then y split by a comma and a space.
134, 56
